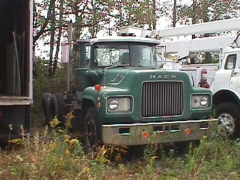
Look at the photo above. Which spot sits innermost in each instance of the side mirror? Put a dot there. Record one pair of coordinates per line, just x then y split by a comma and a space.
93, 75
65, 53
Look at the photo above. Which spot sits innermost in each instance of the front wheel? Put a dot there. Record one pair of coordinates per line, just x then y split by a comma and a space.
229, 116
92, 131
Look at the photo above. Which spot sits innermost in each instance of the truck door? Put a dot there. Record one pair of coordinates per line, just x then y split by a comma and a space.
233, 60
228, 76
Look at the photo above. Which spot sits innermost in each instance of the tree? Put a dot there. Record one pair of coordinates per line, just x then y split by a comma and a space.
209, 10
49, 23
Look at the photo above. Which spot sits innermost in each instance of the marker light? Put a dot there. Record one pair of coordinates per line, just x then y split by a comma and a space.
98, 87
188, 131
145, 134
98, 104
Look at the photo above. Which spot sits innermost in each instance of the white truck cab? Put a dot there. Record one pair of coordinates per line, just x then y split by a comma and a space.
226, 93
229, 73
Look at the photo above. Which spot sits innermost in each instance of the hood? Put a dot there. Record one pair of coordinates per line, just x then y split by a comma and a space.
130, 77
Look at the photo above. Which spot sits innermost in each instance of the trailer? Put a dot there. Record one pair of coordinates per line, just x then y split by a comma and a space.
221, 78
16, 41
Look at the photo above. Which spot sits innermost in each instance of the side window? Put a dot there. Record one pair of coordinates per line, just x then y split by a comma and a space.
230, 62
87, 56
78, 61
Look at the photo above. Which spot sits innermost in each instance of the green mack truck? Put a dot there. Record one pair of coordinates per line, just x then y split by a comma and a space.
122, 98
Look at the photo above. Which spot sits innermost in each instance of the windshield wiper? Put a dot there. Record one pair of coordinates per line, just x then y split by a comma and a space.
142, 64
116, 65
145, 67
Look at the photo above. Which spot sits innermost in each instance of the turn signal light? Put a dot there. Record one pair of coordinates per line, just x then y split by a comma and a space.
145, 134
98, 87
98, 104
188, 131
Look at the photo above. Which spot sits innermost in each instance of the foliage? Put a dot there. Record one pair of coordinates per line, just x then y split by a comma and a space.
57, 155
208, 10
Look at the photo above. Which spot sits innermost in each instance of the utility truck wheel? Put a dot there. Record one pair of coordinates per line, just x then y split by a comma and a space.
92, 131
57, 107
229, 117
45, 108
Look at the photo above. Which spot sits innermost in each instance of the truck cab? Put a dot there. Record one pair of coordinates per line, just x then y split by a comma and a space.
229, 70
225, 88
127, 100
124, 99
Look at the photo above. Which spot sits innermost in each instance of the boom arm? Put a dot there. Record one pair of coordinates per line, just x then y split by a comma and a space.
201, 28
208, 44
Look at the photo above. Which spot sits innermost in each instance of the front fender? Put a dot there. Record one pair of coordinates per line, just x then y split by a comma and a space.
225, 95
91, 94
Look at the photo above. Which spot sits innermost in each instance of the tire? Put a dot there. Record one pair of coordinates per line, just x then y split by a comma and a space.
229, 117
45, 108
92, 131
57, 107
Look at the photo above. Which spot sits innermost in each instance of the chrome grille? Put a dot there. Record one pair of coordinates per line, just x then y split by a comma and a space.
162, 99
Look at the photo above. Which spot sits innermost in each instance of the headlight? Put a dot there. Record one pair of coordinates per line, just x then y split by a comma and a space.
113, 104
204, 101
119, 104
200, 101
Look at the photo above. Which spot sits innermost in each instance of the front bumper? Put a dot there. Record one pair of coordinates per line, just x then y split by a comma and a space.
161, 132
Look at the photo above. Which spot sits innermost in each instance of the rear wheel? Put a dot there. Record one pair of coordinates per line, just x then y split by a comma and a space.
57, 107
45, 108
92, 131
229, 116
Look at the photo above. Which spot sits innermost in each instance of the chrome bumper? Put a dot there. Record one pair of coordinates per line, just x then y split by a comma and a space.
161, 132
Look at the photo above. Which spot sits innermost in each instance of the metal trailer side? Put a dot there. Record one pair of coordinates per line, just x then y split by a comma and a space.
16, 96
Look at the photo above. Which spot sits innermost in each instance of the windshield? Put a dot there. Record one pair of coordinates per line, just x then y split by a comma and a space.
108, 54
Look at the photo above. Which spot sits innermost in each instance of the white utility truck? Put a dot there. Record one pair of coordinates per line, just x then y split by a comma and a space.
15, 67
223, 78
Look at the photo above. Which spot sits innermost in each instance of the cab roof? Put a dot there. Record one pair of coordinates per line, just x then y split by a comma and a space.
121, 39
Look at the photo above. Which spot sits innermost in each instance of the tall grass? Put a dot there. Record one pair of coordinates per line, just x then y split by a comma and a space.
56, 155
